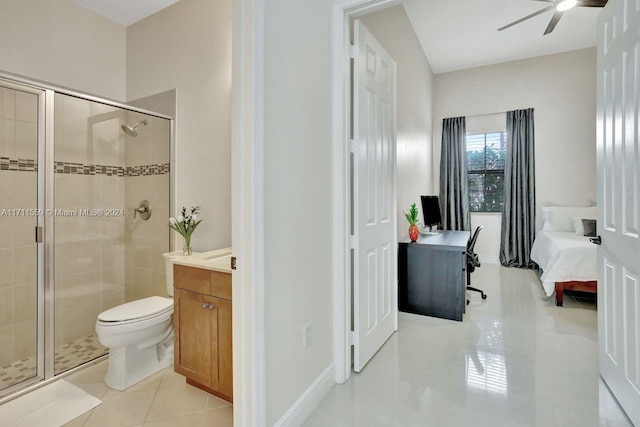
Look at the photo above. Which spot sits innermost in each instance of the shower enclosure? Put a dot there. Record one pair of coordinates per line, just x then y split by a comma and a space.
72, 170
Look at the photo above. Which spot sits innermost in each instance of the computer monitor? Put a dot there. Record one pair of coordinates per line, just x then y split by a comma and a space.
431, 211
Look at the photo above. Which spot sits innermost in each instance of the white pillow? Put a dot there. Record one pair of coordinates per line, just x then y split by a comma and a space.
561, 218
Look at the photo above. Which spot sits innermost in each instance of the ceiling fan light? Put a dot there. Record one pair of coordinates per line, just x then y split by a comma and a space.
565, 5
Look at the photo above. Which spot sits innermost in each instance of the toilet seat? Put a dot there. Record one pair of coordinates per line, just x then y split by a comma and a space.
136, 311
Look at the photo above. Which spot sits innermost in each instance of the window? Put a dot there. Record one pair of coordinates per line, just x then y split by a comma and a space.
485, 170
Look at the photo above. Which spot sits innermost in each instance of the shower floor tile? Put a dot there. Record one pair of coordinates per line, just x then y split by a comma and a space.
77, 352
68, 355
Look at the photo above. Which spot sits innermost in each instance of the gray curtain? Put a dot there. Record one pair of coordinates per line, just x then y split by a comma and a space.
454, 195
518, 212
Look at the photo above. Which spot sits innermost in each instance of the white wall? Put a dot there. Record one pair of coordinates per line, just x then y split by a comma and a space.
65, 44
297, 199
562, 90
392, 28
188, 47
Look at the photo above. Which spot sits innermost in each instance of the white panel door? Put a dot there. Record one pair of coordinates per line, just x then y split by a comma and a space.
618, 158
375, 250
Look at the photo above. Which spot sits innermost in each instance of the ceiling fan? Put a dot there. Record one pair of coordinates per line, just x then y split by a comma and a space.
560, 7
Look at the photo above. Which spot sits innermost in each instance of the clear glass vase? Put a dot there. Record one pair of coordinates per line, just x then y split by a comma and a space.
186, 248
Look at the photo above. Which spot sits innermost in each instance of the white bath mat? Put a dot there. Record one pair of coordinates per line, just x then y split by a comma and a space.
50, 406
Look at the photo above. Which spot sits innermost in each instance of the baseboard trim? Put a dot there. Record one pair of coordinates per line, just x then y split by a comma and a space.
489, 259
310, 399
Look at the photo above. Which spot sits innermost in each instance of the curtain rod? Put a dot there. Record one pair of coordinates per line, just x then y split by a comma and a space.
487, 114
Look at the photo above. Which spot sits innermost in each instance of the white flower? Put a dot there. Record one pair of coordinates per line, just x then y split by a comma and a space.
172, 221
195, 217
180, 218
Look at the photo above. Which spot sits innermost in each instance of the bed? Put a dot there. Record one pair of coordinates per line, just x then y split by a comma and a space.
567, 258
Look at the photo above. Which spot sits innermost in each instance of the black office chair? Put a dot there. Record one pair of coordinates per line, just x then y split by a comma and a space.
472, 262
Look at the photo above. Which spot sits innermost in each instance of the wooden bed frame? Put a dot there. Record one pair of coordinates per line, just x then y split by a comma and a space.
590, 286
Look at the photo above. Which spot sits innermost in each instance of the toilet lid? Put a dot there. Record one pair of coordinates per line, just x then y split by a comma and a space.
138, 309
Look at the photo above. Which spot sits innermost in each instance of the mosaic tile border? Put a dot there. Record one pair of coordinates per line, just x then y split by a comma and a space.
22, 165
28, 165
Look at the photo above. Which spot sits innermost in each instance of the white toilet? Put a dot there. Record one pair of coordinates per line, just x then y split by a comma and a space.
139, 335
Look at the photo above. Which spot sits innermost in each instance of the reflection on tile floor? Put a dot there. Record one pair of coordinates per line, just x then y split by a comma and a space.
515, 360
164, 399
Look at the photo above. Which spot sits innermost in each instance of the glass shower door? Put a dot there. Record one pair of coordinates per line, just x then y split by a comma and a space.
21, 120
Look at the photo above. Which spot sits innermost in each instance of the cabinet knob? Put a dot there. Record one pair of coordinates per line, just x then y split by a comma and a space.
211, 306
204, 305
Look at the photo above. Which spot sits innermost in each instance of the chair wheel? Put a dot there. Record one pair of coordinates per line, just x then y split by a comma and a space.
484, 296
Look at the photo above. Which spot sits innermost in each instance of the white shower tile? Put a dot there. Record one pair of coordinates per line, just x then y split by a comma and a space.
6, 306
7, 103
7, 138
26, 107
6, 265
113, 252
81, 256
105, 142
26, 140
23, 230
138, 253
24, 301
80, 321
81, 289
6, 349
25, 263
24, 340
75, 112
159, 246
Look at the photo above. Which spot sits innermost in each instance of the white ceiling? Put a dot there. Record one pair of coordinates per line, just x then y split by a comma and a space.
454, 34
125, 12
459, 34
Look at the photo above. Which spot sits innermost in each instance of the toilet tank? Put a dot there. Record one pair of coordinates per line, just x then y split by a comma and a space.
168, 265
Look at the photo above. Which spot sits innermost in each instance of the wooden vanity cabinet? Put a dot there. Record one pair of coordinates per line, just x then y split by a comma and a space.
202, 329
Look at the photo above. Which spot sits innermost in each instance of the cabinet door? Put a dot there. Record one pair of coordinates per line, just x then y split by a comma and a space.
223, 364
195, 336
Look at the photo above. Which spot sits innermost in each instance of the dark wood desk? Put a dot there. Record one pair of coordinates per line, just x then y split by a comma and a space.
431, 274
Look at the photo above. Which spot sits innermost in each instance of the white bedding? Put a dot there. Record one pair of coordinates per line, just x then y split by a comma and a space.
564, 256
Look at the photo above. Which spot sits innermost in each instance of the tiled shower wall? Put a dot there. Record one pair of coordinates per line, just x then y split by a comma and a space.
18, 190
107, 260
89, 156
147, 161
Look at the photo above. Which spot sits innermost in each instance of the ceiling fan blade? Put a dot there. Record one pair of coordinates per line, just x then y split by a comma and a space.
554, 21
592, 3
527, 17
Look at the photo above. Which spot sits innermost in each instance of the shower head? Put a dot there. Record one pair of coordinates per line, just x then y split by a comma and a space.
131, 130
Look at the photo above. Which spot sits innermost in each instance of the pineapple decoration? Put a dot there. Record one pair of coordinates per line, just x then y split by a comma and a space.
412, 217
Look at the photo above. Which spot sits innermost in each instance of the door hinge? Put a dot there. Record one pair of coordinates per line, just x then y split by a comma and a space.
353, 145
352, 242
351, 337
233, 263
353, 52
38, 234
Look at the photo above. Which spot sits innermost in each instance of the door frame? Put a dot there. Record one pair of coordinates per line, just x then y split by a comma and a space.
247, 160
247, 208
343, 12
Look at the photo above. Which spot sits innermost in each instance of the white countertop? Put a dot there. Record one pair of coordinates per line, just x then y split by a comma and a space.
218, 260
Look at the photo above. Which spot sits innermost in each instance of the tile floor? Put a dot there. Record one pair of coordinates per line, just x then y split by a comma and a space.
515, 360
164, 399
